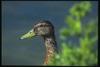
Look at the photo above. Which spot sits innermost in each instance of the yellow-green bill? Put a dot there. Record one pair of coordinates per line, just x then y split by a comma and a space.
28, 35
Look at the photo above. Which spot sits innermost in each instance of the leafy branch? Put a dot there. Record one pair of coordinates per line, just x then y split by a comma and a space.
84, 54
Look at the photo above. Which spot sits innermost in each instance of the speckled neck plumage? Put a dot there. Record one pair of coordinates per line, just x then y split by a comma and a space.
51, 48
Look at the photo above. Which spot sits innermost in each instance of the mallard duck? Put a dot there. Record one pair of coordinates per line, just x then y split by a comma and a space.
44, 29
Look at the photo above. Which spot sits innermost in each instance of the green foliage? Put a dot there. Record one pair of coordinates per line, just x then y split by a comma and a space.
84, 54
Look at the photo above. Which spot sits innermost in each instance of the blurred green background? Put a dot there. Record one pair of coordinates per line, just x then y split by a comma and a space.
73, 21
86, 53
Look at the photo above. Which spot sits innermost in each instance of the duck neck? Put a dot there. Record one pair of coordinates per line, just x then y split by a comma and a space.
51, 48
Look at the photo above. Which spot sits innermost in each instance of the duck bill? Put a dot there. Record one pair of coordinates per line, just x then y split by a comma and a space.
30, 34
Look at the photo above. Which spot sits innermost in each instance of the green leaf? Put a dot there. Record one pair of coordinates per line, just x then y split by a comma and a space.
64, 31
